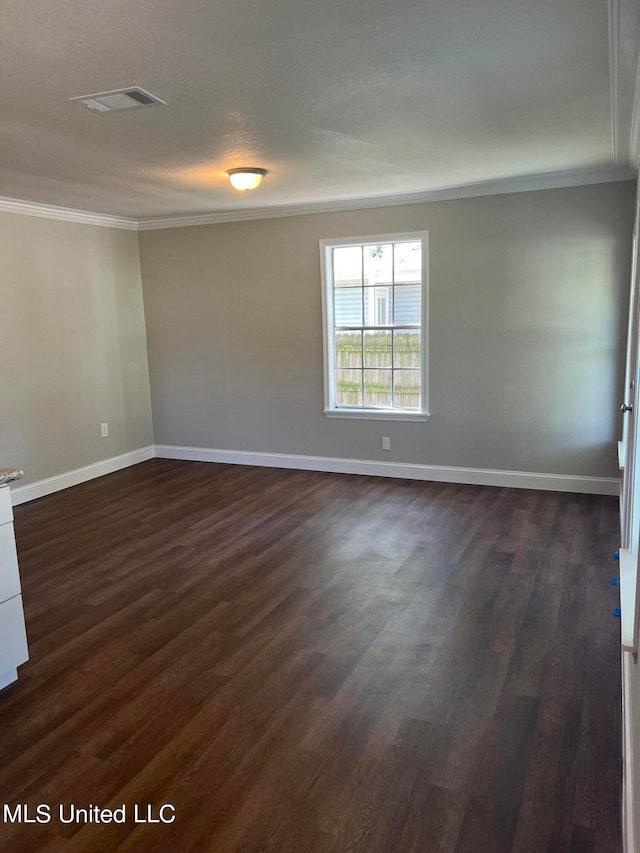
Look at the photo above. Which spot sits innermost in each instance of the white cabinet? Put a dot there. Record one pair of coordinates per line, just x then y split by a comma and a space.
6, 510
9, 576
13, 638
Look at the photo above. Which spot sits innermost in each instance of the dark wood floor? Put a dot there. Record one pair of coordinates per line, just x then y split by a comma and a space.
316, 662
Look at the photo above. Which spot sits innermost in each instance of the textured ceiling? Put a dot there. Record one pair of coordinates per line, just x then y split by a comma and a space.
336, 99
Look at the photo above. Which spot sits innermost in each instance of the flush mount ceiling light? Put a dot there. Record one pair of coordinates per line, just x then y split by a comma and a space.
246, 178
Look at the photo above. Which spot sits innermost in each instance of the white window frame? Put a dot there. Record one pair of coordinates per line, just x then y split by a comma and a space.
330, 408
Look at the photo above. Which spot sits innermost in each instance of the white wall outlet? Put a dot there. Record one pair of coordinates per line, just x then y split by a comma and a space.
104, 430
386, 443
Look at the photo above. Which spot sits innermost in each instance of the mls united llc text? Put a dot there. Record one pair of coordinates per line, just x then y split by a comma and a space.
70, 813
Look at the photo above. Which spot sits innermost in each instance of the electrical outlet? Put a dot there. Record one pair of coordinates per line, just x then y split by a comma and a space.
386, 443
104, 430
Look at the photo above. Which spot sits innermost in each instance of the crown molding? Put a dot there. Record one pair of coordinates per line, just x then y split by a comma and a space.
543, 181
634, 145
624, 81
526, 183
66, 214
613, 11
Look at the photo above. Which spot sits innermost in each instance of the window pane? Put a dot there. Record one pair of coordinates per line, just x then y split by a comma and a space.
407, 305
375, 291
347, 266
406, 388
378, 264
406, 348
348, 349
378, 307
407, 262
348, 387
377, 388
377, 349
348, 306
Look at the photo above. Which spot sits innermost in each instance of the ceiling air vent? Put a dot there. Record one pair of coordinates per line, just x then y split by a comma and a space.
119, 99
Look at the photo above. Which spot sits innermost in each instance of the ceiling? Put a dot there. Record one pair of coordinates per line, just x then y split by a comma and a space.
338, 99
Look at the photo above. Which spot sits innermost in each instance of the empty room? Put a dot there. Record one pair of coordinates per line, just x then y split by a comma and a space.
319, 502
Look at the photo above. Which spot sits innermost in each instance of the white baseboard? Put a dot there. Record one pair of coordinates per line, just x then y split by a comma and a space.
404, 470
628, 787
22, 494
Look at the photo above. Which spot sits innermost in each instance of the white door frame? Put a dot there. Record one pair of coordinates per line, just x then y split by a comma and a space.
629, 449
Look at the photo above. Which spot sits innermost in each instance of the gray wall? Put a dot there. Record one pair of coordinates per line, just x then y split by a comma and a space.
528, 298
73, 345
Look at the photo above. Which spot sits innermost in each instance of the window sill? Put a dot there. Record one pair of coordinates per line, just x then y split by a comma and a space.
376, 415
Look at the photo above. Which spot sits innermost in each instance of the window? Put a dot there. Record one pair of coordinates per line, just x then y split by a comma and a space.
375, 308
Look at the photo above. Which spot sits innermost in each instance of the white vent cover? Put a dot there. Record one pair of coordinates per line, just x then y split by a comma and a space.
119, 99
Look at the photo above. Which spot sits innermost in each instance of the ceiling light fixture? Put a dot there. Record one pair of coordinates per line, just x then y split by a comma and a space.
246, 178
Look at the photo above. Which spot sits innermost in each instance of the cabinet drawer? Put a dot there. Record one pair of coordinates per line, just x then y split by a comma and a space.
9, 576
13, 636
6, 510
